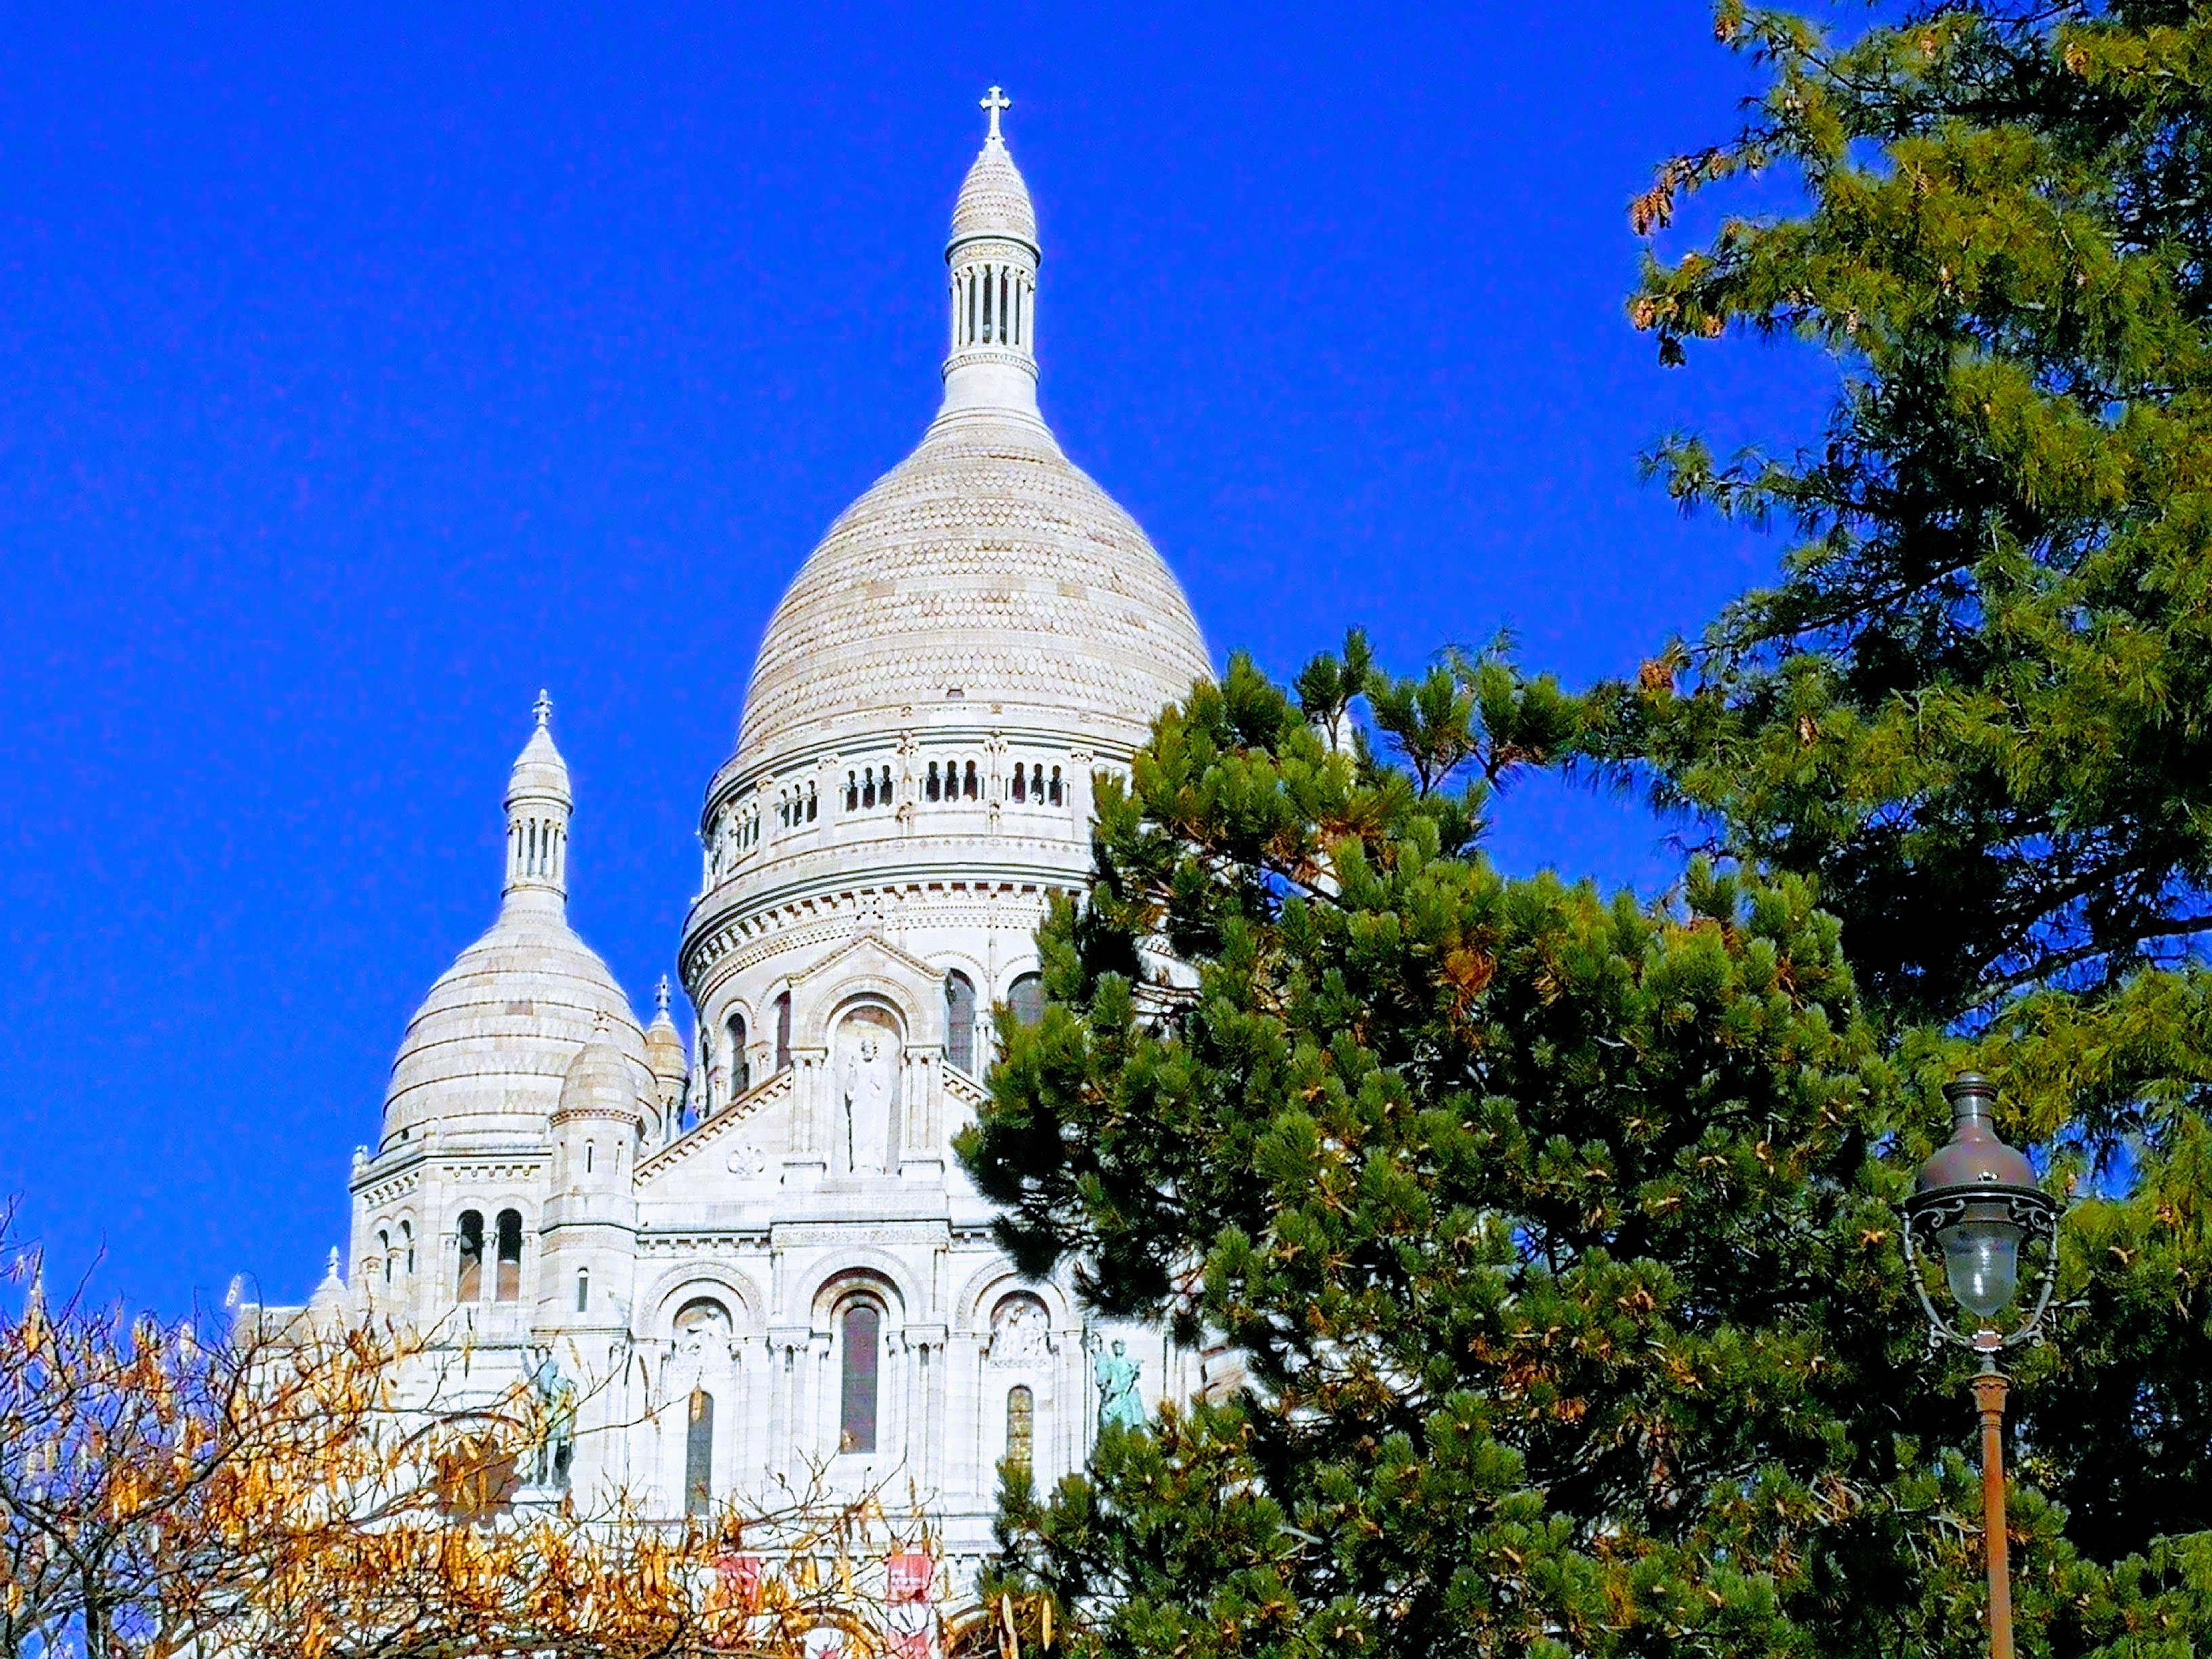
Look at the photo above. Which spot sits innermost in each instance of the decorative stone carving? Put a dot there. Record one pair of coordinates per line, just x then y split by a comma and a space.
747, 1161
1018, 1327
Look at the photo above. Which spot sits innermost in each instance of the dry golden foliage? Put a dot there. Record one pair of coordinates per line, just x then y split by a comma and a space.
302, 1490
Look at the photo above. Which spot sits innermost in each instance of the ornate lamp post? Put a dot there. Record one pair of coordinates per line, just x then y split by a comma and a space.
1975, 1203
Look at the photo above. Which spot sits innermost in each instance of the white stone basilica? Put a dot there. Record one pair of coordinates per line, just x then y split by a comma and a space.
756, 1252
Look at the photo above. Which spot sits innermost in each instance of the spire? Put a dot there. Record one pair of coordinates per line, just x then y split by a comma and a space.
538, 804
994, 257
664, 1058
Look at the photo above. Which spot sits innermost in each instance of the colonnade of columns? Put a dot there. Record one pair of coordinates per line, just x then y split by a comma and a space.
993, 304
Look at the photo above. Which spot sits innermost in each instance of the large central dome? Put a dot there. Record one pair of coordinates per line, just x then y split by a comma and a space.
985, 569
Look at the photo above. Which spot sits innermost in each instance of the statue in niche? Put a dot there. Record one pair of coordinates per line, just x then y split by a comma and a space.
702, 1328
866, 1092
1116, 1374
1017, 1333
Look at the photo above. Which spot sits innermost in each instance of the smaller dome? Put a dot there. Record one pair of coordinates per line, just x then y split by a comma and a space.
327, 1307
599, 1082
487, 1051
994, 200
492, 1045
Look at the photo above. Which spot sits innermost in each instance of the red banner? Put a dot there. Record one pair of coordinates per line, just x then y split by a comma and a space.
737, 1582
910, 1576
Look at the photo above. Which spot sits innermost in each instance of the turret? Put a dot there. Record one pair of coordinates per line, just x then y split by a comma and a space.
664, 1057
589, 1224
537, 808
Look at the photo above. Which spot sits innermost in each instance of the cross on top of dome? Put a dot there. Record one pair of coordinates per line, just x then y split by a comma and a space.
994, 101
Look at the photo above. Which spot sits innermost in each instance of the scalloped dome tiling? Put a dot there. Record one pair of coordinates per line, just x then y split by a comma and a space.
994, 200
985, 564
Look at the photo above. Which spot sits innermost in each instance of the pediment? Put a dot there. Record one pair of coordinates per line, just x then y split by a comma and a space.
703, 1138
870, 954
869, 965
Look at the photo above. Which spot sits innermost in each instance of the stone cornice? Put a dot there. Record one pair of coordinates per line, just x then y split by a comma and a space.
831, 912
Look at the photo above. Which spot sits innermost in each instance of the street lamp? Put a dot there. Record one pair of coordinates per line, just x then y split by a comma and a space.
1975, 1203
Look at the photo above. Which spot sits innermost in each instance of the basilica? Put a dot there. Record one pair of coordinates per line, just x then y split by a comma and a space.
749, 1253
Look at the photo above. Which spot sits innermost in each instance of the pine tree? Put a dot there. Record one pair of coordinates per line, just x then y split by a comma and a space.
1976, 709
1552, 1229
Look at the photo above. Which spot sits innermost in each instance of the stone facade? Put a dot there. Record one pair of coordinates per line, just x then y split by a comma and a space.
754, 1252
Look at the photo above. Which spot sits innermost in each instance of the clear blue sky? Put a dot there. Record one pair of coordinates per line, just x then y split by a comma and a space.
369, 368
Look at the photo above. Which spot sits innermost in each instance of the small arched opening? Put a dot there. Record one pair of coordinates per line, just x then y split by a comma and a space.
741, 1075
510, 1256
960, 1021
469, 1243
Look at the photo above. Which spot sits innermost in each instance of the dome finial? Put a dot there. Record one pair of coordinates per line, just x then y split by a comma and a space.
660, 996
994, 259
537, 808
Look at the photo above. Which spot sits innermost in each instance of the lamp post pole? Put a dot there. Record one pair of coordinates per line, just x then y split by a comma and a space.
1989, 1395
1976, 1202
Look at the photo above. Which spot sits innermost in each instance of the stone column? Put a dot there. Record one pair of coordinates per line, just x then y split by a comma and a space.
782, 1369
821, 1437
917, 1415
933, 1408
808, 1159
1075, 1382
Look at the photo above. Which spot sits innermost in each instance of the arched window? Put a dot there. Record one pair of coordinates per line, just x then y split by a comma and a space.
968, 785
741, 1067
868, 788
1021, 1430
810, 801
861, 1333
699, 1454
783, 1032
883, 790
1057, 795
510, 1256
468, 1281
384, 1249
1025, 997
1021, 784
960, 1021
1036, 784
852, 793
589, 1150
583, 1290
931, 786
407, 1241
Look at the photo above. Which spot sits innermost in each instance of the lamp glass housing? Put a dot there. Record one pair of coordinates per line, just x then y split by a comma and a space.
1981, 1258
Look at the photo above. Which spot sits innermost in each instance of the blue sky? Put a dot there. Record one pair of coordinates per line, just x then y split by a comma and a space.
366, 372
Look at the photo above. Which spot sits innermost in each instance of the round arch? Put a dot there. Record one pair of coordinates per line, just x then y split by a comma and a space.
681, 1285
815, 1291
971, 1311
810, 1028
